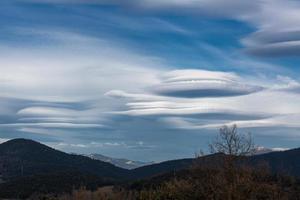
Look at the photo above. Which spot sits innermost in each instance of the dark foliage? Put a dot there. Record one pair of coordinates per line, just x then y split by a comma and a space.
216, 184
27, 166
202, 182
52, 183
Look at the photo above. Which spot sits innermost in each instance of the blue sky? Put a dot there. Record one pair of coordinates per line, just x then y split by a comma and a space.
149, 80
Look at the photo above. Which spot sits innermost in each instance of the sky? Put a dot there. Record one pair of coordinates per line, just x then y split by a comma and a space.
149, 80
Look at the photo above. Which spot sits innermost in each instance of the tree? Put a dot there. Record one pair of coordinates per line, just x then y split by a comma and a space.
230, 142
234, 172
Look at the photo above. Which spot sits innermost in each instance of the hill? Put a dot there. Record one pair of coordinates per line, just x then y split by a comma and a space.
283, 162
22, 157
27, 166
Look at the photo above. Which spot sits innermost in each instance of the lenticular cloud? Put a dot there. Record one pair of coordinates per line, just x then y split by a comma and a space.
201, 83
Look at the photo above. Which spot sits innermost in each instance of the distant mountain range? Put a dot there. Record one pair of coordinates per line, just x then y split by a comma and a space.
27, 166
130, 164
120, 162
263, 150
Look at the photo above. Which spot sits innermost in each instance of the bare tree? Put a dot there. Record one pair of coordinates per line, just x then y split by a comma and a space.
234, 169
230, 142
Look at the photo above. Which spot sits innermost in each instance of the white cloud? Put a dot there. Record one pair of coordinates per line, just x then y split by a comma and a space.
47, 111
102, 145
278, 26
42, 131
52, 125
201, 83
287, 121
136, 96
287, 84
70, 1
72, 70
62, 144
277, 21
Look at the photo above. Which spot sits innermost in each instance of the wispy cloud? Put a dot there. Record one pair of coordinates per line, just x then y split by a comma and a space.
63, 87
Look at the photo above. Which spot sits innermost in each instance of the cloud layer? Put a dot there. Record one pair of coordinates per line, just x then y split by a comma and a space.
275, 106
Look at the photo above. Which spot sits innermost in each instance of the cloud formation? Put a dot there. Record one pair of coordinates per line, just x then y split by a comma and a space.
201, 83
275, 106
276, 21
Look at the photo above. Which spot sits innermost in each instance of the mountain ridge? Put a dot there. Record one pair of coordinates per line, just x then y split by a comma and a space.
119, 162
24, 161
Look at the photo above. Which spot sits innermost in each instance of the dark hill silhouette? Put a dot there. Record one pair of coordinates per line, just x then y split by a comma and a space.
22, 157
283, 162
163, 167
175, 165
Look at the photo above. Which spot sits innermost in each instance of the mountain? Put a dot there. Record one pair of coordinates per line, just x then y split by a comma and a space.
120, 162
263, 150
27, 167
22, 157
